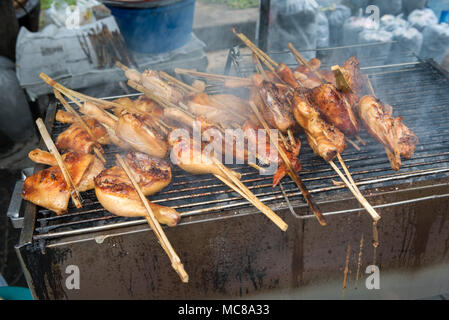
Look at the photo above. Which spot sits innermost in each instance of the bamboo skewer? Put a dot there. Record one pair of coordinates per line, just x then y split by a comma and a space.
353, 143
97, 149
178, 83
292, 173
356, 193
155, 226
76, 197
342, 84
262, 55
301, 60
240, 188
69, 92
349, 183
217, 77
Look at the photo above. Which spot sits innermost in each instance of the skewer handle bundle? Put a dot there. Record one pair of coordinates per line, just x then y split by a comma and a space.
155, 226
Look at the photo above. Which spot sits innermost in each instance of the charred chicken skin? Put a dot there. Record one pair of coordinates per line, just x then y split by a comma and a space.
116, 194
75, 138
98, 130
325, 140
47, 188
275, 107
291, 154
334, 108
397, 138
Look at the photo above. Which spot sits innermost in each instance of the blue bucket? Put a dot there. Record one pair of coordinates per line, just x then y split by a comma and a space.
154, 26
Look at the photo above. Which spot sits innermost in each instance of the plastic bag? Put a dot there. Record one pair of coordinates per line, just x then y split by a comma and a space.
393, 7
354, 26
71, 17
407, 39
409, 5
308, 8
378, 54
322, 34
296, 22
419, 19
435, 41
336, 19
390, 23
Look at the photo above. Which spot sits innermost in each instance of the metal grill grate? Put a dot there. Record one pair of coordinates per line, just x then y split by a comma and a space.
418, 91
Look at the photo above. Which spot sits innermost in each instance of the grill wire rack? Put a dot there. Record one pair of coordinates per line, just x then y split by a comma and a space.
418, 90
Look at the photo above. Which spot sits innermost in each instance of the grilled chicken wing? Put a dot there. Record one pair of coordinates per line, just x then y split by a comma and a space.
141, 134
397, 138
75, 138
334, 108
152, 174
117, 195
325, 140
275, 107
47, 188
131, 130
187, 157
98, 130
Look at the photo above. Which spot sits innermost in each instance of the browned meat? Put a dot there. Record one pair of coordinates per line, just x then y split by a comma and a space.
275, 108
47, 188
281, 171
334, 108
142, 134
152, 174
397, 138
325, 140
192, 158
116, 194
75, 138
353, 75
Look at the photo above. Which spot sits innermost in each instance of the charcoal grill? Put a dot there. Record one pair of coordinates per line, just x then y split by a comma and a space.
231, 250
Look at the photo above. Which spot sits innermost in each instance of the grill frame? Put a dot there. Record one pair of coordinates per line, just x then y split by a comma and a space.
341, 207
280, 198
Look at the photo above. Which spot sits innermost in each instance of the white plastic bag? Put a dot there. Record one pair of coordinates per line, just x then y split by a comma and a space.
72, 17
337, 17
419, 19
435, 41
322, 34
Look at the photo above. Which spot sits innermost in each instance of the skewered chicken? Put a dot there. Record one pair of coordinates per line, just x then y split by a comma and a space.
75, 138
334, 108
398, 139
250, 128
47, 188
132, 130
116, 193
272, 102
98, 130
193, 159
223, 109
325, 140
151, 80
